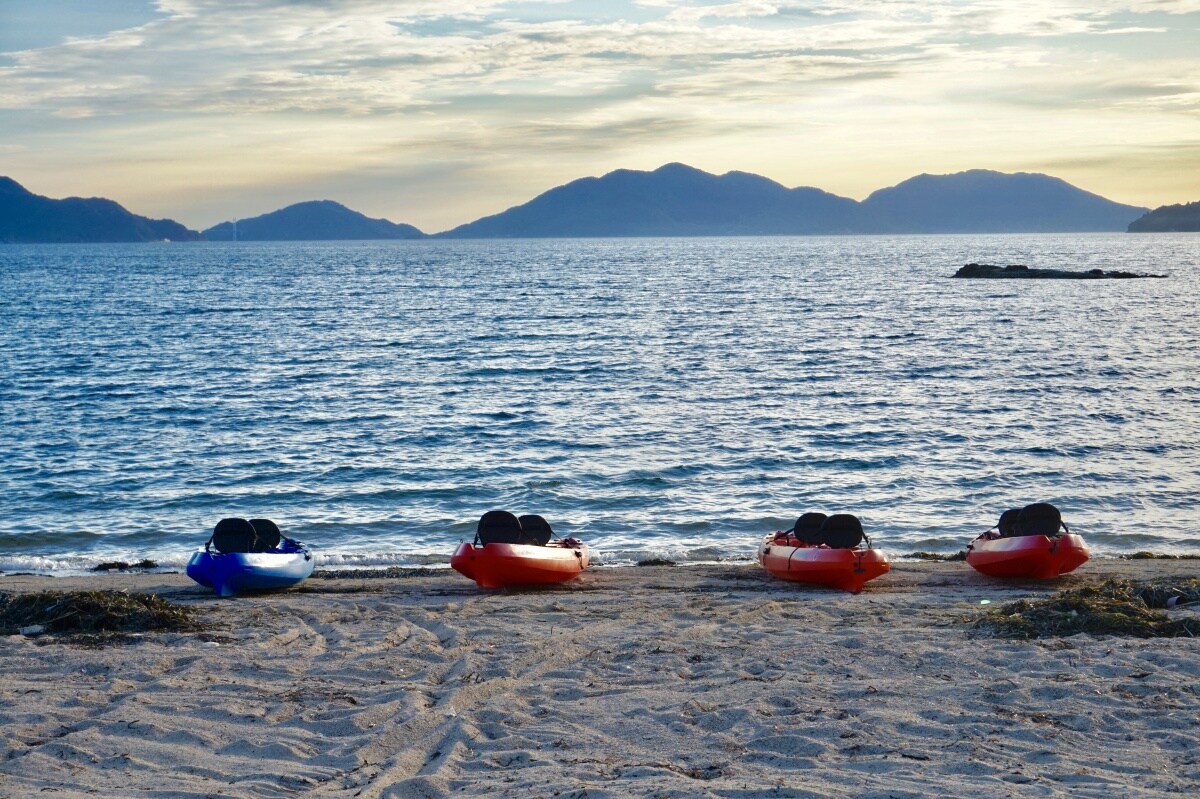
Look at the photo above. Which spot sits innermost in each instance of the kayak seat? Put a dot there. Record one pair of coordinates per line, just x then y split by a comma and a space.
535, 530
842, 531
1040, 518
234, 535
268, 534
1008, 524
808, 528
498, 527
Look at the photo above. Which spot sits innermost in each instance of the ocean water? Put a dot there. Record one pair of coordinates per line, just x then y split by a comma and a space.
655, 397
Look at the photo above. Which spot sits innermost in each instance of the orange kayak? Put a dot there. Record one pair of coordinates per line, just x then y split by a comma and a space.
786, 557
503, 565
1038, 557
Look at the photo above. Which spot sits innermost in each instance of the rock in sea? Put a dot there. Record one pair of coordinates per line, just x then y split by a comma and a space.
1020, 271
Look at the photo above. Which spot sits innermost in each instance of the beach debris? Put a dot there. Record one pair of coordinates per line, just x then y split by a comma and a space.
1169, 593
93, 612
960, 555
656, 562
389, 572
1111, 607
1020, 271
32, 629
1144, 555
120, 565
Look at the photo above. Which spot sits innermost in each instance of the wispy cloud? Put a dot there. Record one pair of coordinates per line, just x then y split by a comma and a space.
361, 56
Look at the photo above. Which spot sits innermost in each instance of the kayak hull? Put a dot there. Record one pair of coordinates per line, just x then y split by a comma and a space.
1036, 557
504, 565
844, 569
229, 574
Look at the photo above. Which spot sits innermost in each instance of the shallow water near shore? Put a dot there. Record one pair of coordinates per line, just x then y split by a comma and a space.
656, 397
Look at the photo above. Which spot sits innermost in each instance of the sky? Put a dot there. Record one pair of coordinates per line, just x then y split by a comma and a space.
437, 112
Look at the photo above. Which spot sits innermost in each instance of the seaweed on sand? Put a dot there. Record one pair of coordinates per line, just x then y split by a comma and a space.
120, 565
94, 612
1111, 607
922, 555
391, 572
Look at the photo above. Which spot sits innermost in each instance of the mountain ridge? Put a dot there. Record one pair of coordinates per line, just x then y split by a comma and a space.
313, 220
673, 200
28, 218
679, 200
1181, 218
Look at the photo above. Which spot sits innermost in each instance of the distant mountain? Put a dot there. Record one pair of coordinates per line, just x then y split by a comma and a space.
1169, 219
319, 220
30, 218
673, 200
677, 200
982, 201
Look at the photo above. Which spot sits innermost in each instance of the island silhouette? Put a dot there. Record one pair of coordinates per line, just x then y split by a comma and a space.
673, 200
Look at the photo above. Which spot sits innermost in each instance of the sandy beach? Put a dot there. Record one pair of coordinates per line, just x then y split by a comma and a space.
704, 681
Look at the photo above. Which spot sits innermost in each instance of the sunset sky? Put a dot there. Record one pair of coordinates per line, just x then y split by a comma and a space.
436, 112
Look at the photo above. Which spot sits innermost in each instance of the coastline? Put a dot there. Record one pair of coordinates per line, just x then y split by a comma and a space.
631, 681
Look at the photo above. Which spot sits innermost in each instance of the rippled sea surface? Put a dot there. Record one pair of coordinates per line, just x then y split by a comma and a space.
656, 397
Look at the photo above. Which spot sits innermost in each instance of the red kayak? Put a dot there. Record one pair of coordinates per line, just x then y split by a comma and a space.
786, 557
1038, 557
503, 565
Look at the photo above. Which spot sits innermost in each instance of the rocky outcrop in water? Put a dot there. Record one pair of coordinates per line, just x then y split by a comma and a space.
1020, 271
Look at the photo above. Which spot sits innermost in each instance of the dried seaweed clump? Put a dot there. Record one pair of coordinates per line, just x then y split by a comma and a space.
94, 612
1111, 607
960, 555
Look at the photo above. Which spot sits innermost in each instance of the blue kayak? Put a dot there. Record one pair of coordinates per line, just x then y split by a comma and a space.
239, 572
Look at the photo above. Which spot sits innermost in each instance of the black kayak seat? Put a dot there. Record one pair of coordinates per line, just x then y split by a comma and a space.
535, 530
1040, 518
842, 531
498, 527
808, 527
1008, 524
234, 535
268, 534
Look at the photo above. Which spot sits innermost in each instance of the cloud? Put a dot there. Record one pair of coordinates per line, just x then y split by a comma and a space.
745, 9
310, 89
372, 57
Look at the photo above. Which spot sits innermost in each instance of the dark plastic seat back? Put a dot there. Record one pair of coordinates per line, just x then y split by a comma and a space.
234, 535
1008, 524
498, 527
1040, 518
268, 534
535, 530
808, 527
842, 531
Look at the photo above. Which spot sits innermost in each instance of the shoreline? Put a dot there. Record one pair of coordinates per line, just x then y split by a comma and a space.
904, 560
698, 681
